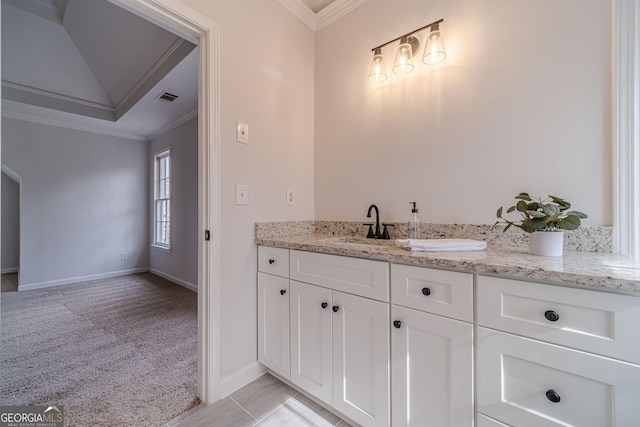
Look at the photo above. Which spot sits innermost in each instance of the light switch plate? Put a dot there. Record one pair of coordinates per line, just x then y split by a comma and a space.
242, 132
291, 196
242, 194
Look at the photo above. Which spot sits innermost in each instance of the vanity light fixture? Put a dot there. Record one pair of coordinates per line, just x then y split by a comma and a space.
434, 52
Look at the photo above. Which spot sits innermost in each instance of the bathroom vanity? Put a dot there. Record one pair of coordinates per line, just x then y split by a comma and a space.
491, 338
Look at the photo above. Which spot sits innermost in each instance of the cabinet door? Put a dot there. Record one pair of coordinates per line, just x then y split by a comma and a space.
529, 383
431, 370
311, 339
361, 359
273, 323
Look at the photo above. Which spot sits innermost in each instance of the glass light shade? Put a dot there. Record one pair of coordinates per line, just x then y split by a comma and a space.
377, 70
434, 51
404, 57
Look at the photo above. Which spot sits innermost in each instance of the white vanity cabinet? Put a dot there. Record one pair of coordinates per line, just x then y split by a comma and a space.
273, 309
556, 356
340, 351
340, 340
431, 355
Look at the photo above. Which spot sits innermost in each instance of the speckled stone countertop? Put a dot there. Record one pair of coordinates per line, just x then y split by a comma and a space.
592, 270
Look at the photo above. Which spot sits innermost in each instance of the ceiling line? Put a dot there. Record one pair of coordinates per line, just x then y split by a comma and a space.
67, 125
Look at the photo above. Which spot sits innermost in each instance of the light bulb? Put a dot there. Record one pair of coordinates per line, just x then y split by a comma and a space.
434, 51
404, 57
377, 69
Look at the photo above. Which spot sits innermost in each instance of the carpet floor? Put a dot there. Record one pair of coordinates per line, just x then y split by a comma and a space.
113, 352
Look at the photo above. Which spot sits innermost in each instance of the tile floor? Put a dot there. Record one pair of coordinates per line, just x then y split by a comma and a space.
264, 402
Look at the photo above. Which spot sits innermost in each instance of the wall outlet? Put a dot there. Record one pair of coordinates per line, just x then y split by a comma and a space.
291, 196
124, 256
242, 194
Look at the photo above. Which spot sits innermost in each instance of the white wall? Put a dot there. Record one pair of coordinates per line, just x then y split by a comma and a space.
10, 225
522, 103
266, 80
182, 262
84, 201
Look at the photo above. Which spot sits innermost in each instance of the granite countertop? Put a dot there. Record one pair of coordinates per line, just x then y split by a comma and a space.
592, 270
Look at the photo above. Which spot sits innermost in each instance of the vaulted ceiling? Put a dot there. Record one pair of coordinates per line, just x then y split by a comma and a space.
93, 64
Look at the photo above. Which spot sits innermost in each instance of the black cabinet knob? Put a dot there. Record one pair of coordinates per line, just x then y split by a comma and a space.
324, 305
553, 396
551, 316
426, 292
271, 261
335, 308
283, 291
397, 324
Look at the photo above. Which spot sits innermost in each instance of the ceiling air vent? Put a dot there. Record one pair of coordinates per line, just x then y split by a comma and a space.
167, 97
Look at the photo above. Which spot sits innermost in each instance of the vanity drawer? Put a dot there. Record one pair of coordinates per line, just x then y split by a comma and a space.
446, 293
356, 276
530, 383
597, 322
273, 261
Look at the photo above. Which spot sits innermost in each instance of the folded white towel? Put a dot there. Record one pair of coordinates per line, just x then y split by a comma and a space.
442, 245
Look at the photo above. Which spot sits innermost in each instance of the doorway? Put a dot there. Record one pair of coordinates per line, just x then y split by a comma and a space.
192, 26
10, 255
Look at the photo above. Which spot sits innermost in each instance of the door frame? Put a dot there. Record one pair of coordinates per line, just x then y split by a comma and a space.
185, 22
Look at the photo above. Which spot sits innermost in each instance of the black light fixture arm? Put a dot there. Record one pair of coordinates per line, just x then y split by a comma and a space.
408, 34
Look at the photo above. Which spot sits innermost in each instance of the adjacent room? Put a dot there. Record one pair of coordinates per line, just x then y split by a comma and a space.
99, 211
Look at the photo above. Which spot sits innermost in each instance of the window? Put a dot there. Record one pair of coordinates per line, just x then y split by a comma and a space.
162, 184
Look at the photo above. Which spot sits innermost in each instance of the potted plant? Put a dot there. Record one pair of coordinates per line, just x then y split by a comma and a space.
546, 219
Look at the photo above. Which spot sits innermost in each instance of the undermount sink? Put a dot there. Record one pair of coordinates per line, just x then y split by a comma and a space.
358, 241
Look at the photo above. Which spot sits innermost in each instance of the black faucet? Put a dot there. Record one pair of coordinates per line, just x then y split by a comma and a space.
376, 234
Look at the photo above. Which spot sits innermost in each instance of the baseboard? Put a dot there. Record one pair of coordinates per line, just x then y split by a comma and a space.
10, 270
41, 285
241, 378
175, 280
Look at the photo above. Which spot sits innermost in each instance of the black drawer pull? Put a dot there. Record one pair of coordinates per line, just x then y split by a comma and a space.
271, 261
553, 396
397, 324
324, 305
335, 308
283, 291
551, 316
426, 292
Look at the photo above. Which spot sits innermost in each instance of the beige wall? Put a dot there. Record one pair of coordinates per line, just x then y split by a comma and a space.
522, 103
266, 80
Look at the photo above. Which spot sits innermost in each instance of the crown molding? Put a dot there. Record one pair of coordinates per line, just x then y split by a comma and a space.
32, 118
43, 98
171, 58
171, 126
335, 11
326, 16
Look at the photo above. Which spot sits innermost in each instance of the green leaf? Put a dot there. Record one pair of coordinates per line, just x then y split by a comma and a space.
523, 196
533, 206
511, 209
569, 223
521, 206
536, 214
564, 205
578, 214
507, 227
499, 213
549, 209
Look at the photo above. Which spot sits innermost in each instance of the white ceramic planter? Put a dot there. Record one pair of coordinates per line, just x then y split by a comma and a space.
546, 243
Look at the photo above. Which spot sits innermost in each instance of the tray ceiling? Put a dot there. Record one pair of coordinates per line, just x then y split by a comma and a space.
93, 60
